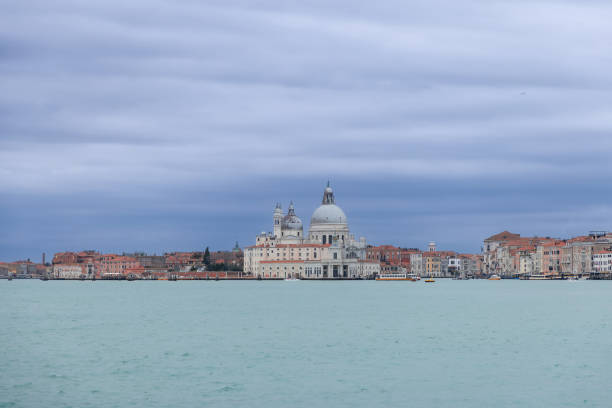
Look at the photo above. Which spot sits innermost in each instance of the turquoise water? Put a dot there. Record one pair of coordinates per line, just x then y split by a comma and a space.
306, 344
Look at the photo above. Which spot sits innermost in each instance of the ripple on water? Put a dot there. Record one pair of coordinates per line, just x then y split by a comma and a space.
230, 388
24, 385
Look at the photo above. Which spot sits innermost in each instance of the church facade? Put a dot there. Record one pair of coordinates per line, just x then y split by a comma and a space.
327, 251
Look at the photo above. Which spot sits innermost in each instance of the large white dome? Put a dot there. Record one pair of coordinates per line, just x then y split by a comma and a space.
328, 214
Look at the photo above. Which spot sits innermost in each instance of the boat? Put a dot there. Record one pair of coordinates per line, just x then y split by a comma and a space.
494, 277
393, 277
291, 279
430, 279
538, 277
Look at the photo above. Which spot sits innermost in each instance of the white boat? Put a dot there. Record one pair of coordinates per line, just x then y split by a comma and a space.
393, 277
291, 279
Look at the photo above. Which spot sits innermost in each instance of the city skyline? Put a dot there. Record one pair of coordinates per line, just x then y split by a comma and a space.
158, 127
413, 237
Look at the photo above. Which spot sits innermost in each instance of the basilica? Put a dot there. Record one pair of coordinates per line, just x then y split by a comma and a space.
327, 251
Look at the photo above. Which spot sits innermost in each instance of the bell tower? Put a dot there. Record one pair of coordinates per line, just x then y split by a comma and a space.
328, 195
278, 217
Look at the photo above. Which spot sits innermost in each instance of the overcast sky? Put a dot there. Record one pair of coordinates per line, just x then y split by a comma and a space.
172, 125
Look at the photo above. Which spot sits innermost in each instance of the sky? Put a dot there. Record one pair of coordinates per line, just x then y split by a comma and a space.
162, 125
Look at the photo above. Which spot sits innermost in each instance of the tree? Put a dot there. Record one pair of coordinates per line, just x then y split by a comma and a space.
206, 259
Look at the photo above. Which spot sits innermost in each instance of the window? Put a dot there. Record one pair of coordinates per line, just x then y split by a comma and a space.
335, 255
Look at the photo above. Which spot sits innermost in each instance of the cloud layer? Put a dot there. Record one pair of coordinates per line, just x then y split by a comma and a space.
161, 125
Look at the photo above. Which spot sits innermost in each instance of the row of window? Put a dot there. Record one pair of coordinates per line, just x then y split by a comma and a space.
313, 271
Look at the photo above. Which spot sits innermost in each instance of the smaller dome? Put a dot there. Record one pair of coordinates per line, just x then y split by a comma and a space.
291, 221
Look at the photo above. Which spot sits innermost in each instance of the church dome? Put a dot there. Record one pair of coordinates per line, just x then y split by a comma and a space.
328, 212
291, 221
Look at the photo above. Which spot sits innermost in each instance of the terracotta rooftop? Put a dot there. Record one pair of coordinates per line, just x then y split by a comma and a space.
503, 236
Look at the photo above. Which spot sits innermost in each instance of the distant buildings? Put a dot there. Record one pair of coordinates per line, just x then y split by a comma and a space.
510, 255
68, 271
328, 251
23, 269
92, 264
434, 263
392, 259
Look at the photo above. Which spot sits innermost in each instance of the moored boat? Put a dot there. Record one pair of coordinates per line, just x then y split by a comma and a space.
393, 277
538, 277
494, 277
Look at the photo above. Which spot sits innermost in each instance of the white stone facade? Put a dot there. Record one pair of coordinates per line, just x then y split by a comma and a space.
67, 271
602, 261
328, 251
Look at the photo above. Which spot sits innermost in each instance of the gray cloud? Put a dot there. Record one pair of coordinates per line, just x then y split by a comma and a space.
178, 109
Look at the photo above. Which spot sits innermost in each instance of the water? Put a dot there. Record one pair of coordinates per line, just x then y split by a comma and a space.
306, 344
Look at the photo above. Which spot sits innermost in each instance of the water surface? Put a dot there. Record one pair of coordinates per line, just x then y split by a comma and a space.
306, 344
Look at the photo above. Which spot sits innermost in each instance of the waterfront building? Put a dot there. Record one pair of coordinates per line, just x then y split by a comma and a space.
549, 257
89, 260
67, 271
327, 251
180, 260
471, 265
391, 258
527, 261
602, 260
416, 264
502, 252
454, 265
117, 266
491, 256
